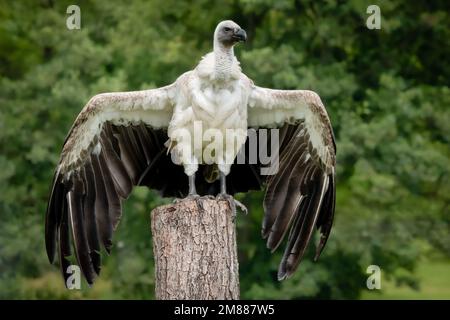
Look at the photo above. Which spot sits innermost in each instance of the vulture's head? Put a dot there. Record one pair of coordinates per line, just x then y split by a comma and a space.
228, 33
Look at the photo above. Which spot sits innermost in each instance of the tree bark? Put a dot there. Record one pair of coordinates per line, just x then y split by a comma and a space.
194, 244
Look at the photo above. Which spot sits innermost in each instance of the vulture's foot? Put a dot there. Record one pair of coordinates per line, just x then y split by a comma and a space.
233, 203
188, 197
195, 197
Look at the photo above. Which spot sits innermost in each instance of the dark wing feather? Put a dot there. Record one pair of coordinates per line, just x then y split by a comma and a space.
89, 216
64, 241
299, 197
77, 221
101, 206
53, 217
113, 165
127, 154
326, 215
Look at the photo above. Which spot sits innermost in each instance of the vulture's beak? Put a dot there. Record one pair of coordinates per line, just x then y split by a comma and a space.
240, 35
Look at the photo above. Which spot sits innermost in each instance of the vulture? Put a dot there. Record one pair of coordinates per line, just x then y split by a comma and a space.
125, 139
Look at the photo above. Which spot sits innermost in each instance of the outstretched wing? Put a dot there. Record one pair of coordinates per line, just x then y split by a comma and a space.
112, 146
301, 194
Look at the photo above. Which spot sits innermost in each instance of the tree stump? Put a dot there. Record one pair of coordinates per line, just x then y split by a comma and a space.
194, 244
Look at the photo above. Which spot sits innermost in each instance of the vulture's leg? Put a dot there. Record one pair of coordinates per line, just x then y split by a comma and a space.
232, 201
192, 194
223, 183
192, 189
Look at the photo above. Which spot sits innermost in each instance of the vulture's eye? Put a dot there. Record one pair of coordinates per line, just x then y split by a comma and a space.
226, 29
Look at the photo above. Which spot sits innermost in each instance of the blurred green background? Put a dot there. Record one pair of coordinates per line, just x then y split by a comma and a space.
386, 92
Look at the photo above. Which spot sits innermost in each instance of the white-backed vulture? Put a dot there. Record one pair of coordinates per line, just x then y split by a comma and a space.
125, 139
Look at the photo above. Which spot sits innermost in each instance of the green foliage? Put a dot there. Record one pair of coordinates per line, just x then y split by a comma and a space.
386, 92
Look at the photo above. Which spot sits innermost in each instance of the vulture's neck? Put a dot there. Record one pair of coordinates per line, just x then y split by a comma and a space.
224, 59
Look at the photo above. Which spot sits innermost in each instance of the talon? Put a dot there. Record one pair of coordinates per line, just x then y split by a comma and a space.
197, 200
188, 197
233, 203
241, 206
223, 196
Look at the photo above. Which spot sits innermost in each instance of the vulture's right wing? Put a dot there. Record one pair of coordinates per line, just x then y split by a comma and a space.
114, 141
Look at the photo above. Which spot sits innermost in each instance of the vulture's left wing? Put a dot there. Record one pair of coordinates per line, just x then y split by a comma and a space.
114, 141
301, 195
